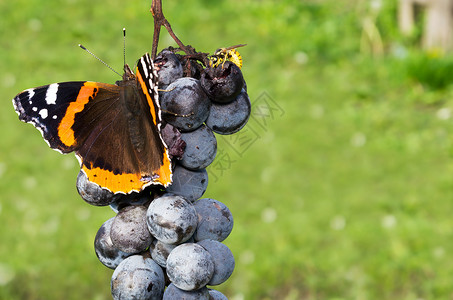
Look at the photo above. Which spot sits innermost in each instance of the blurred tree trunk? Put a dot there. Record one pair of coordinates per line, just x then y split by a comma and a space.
406, 16
438, 27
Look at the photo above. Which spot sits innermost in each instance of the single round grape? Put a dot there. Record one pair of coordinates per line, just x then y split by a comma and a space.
215, 220
171, 219
172, 293
223, 260
201, 148
185, 105
216, 295
160, 251
231, 117
190, 184
107, 254
129, 232
131, 199
190, 267
222, 83
168, 68
92, 193
137, 277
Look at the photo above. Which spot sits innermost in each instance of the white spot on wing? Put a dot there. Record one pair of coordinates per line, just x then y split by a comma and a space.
43, 112
54, 117
31, 93
35, 108
51, 95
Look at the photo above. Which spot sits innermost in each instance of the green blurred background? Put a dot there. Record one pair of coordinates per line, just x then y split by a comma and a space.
340, 185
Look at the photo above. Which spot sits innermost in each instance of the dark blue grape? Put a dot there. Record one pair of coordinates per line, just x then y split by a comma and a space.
231, 117
173, 293
216, 295
215, 220
171, 219
93, 193
107, 254
189, 184
223, 260
185, 105
137, 277
222, 83
143, 198
201, 148
168, 68
190, 267
160, 251
129, 232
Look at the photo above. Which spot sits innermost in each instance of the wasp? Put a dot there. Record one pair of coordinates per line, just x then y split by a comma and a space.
222, 55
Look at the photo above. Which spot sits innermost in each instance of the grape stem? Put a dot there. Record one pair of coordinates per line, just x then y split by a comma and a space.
160, 20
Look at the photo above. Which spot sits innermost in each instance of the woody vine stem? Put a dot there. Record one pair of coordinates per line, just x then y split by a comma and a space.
160, 20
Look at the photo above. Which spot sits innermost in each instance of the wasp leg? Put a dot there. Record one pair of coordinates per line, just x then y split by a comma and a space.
161, 90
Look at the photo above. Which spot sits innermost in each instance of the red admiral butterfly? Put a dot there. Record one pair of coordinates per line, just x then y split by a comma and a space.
114, 130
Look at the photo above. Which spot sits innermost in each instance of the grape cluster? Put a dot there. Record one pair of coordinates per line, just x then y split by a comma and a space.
167, 243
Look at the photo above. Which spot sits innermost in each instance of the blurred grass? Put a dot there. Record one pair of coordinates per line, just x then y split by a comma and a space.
345, 193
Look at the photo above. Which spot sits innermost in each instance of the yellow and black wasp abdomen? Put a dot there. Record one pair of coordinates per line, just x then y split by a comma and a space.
234, 56
222, 55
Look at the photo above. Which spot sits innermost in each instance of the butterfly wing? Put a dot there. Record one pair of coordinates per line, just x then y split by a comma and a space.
52, 109
126, 151
114, 130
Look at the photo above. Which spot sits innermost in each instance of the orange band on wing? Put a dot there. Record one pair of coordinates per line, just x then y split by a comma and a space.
115, 183
65, 132
124, 183
148, 97
165, 170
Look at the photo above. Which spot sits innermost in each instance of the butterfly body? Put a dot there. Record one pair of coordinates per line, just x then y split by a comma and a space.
114, 130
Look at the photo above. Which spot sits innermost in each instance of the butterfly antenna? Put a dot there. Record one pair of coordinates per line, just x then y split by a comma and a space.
81, 46
124, 45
